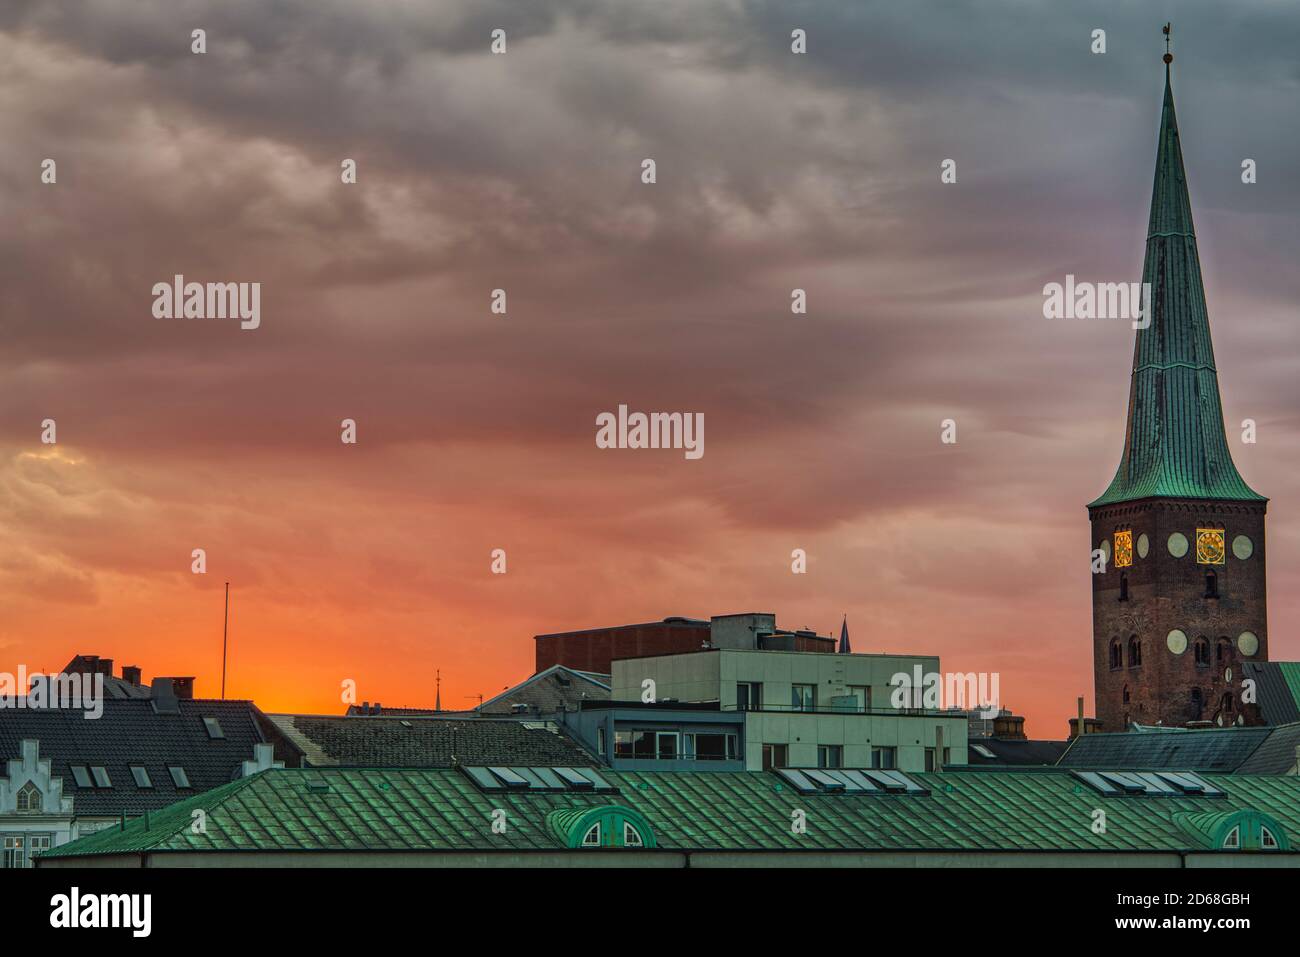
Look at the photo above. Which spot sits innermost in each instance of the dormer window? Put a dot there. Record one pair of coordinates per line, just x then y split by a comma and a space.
592, 837
1233, 841
631, 836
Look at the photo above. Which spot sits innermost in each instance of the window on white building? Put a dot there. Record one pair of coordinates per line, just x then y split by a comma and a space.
803, 697
884, 758
28, 800
15, 851
830, 756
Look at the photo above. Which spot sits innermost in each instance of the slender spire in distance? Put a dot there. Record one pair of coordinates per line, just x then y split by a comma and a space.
1174, 444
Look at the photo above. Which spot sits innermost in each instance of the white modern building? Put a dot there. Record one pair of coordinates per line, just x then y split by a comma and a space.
806, 710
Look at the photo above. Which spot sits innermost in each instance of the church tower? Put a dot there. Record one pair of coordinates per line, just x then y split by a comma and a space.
1181, 601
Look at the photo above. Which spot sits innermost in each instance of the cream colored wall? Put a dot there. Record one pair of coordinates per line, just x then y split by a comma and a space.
856, 733
713, 675
692, 677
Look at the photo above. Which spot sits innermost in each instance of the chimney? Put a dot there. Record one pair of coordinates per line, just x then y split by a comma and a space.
182, 687
1083, 725
1009, 727
164, 696
131, 673
104, 667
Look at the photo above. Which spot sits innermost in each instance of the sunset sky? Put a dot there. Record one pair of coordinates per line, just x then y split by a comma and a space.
476, 431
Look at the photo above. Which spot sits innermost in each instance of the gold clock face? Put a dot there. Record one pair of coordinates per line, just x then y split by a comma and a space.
1209, 546
1123, 549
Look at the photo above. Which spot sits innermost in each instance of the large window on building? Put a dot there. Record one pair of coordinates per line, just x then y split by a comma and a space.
830, 756
15, 851
666, 745
803, 697
774, 756
749, 696
861, 697
635, 744
884, 758
709, 746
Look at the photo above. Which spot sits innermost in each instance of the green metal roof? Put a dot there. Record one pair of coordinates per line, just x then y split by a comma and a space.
360, 809
1174, 444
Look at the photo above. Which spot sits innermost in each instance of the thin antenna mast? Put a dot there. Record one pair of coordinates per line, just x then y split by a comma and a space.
225, 624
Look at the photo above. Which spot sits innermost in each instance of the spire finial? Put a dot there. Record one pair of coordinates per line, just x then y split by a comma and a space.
1169, 57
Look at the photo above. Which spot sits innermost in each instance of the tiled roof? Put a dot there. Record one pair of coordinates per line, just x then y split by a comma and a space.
1210, 749
130, 732
1012, 752
1277, 753
558, 688
1174, 445
429, 742
359, 809
1277, 689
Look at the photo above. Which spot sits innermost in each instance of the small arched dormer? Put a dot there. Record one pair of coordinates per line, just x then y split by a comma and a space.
1242, 830
601, 826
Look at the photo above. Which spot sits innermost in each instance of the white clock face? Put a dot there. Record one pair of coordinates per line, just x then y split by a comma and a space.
1178, 544
1105, 548
1177, 642
1247, 643
1144, 545
1243, 547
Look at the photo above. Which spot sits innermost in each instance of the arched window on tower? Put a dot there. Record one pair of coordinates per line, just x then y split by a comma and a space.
1202, 652
1134, 652
1211, 585
1223, 650
1116, 655
1227, 703
1126, 701
1123, 586
1198, 703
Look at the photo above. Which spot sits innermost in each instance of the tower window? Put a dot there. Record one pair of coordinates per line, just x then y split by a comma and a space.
1198, 703
1223, 650
1134, 652
1126, 696
1123, 587
1211, 585
1202, 651
1116, 655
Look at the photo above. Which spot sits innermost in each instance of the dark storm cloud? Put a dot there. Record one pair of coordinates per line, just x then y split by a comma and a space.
775, 172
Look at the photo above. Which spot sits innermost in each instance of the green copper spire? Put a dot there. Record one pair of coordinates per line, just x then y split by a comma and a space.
1174, 445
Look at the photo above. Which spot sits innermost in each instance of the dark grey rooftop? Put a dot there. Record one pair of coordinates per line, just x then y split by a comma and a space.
1204, 749
430, 742
131, 732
